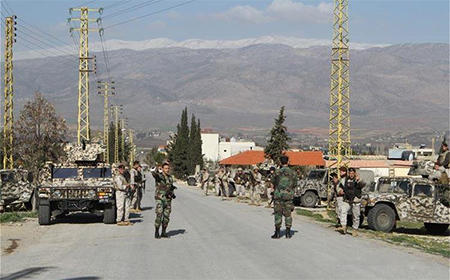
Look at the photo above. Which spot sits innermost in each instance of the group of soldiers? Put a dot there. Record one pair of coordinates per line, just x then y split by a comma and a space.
130, 186
249, 183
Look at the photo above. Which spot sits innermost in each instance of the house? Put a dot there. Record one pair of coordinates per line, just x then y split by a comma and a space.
307, 158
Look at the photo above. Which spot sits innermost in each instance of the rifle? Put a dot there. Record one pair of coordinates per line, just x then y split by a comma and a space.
170, 194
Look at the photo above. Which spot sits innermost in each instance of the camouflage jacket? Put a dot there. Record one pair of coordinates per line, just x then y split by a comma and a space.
163, 184
285, 181
444, 159
120, 183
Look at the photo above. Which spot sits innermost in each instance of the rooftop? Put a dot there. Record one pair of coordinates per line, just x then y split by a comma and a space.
295, 158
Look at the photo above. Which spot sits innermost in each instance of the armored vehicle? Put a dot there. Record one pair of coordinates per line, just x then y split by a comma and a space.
80, 183
407, 199
17, 191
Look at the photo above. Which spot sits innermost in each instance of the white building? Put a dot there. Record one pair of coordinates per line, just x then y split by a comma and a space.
214, 148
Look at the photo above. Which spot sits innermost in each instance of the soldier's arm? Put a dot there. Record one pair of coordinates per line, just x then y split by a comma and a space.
446, 160
119, 184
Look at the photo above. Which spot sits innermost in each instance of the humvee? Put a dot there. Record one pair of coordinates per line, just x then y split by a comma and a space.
80, 183
17, 190
407, 199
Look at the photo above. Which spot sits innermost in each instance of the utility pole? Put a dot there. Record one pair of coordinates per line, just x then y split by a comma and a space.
104, 88
339, 146
132, 147
83, 131
122, 127
8, 118
116, 134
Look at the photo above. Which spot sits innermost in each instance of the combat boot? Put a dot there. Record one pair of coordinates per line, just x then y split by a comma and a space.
276, 235
288, 232
344, 230
355, 232
163, 233
157, 236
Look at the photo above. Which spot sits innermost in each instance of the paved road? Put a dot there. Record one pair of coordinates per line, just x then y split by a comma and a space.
210, 239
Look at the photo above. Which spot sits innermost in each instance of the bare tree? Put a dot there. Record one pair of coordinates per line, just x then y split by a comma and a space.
39, 133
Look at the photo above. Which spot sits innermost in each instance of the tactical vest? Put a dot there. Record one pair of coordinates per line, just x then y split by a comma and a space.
442, 158
351, 190
138, 177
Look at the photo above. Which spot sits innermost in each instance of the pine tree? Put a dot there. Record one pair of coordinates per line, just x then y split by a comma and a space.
278, 139
181, 148
192, 148
198, 154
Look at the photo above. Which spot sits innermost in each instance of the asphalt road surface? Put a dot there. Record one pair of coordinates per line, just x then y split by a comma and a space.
210, 239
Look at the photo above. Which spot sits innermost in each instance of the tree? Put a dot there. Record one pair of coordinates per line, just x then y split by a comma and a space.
181, 148
153, 157
279, 138
195, 146
39, 133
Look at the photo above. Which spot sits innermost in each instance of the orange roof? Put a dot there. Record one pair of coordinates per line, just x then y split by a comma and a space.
376, 163
257, 157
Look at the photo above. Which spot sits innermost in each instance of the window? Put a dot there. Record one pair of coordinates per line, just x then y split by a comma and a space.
65, 173
224, 151
100, 172
402, 187
422, 190
7, 177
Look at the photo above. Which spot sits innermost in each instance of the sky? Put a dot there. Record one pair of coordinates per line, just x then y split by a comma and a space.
373, 22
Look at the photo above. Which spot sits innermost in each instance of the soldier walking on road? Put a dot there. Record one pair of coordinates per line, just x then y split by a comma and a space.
239, 183
123, 200
351, 190
285, 181
163, 198
222, 177
270, 187
255, 187
136, 181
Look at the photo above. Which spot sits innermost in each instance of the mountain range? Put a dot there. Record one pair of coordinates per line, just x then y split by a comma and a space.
393, 88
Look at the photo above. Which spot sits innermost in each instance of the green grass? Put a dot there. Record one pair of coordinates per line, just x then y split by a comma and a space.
16, 216
316, 216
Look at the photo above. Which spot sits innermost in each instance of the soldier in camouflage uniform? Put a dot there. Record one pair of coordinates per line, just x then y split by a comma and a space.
135, 180
338, 197
123, 201
285, 181
439, 176
222, 180
255, 187
269, 185
239, 183
163, 199
204, 180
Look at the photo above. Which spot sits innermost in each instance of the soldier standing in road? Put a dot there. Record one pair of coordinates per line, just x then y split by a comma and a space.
270, 186
239, 183
163, 198
135, 181
204, 180
123, 200
351, 190
285, 181
223, 183
339, 198
255, 187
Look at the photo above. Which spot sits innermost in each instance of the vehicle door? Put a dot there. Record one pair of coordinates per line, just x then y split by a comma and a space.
422, 202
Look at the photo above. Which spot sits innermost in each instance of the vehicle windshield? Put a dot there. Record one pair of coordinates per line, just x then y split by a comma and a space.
316, 174
7, 177
393, 186
100, 172
64, 173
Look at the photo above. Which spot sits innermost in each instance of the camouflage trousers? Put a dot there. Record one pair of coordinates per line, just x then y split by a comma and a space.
255, 194
137, 198
123, 203
355, 207
224, 190
240, 190
204, 186
163, 210
339, 201
283, 208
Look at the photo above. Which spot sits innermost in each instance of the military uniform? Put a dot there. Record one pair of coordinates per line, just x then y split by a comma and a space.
222, 180
205, 179
339, 200
123, 201
285, 181
239, 183
163, 200
136, 179
255, 194
269, 189
352, 189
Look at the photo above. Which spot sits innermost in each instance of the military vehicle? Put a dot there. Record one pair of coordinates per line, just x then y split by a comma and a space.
17, 191
80, 183
407, 199
312, 190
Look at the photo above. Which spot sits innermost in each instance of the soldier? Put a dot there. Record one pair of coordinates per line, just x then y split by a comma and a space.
222, 180
204, 180
444, 156
270, 186
135, 181
351, 190
123, 200
285, 181
163, 198
239, 183
255, 186
439, 176
339, 197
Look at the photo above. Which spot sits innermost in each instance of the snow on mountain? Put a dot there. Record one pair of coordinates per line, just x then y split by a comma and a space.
298, 43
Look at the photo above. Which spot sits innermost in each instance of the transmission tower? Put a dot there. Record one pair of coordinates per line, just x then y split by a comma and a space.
339, 138
8, 133
132, 147
122, 128
105, 88
83, 132
116, 133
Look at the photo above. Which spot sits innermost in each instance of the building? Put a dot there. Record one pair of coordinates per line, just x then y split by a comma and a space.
382, 167
248, 158
215, 148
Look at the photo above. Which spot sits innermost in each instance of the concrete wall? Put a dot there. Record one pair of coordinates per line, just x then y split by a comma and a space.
228, 149
210, 146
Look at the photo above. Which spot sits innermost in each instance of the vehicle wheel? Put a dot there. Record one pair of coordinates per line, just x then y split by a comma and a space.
309, 199
192, 182
381, 218
109, 214
44, 214
436, 228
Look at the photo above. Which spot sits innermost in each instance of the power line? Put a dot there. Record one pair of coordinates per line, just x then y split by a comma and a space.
84, 4
43, 42
147, 15
43, 54
116, 4
133, 8
7, 5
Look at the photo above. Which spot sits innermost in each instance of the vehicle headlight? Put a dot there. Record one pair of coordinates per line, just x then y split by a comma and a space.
92, 194
57, 194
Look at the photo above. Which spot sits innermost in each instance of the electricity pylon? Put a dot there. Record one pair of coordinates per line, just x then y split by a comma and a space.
8, 118
339, 138
106, 88
83, 131
132, 147
122, 128
116, 133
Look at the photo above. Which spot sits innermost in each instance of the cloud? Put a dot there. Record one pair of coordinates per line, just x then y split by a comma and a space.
157, 25
280, 10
